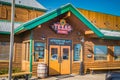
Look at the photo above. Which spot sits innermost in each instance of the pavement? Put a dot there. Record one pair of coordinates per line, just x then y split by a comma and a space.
77, 77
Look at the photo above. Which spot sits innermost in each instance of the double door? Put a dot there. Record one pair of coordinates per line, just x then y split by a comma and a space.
59, 60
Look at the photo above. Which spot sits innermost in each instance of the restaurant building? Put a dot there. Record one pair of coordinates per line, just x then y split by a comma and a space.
63, 39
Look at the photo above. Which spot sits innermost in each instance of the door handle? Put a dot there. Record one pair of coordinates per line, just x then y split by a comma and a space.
59, 59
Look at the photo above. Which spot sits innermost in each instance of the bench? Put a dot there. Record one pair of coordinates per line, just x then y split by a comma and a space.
26, 74
103, 68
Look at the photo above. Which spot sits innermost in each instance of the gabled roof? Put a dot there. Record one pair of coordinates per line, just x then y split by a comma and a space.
51, 15
32, 4
68, 7
5, 26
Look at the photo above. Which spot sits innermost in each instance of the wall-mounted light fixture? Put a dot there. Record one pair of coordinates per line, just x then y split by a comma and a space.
78, 33
43, 37
39, 26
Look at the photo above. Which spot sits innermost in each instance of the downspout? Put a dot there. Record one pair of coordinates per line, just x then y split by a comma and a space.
31, 42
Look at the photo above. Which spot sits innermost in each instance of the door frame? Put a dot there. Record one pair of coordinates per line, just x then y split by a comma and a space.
60, 51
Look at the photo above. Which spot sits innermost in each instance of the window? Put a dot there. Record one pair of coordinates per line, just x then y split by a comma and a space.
4, 50
65, 54
100, 52
27, 51
39, 48
54, 53
117, 52
77, 50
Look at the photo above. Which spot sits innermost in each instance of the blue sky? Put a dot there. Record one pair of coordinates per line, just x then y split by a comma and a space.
104, 6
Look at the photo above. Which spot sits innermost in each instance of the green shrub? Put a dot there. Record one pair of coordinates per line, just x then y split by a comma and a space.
5, 70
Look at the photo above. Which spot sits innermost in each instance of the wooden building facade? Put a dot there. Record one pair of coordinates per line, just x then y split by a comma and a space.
23, 12
64, 38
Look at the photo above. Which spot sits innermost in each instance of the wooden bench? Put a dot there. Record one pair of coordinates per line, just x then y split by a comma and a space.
26, 74
103, 68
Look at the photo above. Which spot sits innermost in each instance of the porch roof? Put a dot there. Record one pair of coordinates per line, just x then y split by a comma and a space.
66, 8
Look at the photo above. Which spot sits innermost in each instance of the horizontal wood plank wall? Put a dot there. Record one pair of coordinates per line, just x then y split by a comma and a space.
101, 20
89, 49
76, 68
17, 52
21, 14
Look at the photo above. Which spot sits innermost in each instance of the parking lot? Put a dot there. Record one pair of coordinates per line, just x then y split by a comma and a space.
78, 77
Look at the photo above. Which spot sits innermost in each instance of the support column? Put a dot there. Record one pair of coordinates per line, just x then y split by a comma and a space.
31, 45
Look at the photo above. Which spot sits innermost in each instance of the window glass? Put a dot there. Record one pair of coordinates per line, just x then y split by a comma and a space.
65, 53
54, 53
39, 48
117, 52
77, 50
4, 50
100, 52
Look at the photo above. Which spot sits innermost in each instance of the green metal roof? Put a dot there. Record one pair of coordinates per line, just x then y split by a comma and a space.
48, 16
5, 26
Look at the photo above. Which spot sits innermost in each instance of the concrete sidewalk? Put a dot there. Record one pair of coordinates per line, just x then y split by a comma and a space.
78, 77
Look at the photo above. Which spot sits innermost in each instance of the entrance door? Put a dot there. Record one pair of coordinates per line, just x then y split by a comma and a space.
59, 60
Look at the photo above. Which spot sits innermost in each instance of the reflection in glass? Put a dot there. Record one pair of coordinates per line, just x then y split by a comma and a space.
54, 53
39, 48
100, 52
117, 52
65, 53
41, 54
77, 49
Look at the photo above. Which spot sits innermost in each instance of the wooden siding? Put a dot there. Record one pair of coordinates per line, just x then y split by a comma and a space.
21, 14
89, 48
101, 20
76, 67
17, 52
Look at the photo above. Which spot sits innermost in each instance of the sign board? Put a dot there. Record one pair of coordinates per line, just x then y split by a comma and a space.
61, 27
54, 41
